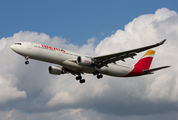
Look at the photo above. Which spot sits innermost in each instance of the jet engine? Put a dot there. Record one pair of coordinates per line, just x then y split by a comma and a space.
56, 70
81, 60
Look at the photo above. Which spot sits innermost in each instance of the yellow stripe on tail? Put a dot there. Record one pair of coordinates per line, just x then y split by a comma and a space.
150, 52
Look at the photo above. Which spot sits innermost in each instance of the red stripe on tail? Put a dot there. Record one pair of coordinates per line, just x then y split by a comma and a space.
143, 63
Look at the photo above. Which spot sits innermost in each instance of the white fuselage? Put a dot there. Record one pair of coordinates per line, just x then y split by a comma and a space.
67, 59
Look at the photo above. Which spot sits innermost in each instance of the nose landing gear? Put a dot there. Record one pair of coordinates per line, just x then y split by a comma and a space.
26, 62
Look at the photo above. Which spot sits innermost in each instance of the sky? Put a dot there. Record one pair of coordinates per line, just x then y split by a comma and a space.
92, 28
76, 20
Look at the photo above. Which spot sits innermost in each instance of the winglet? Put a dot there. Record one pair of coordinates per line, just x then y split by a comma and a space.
162, 42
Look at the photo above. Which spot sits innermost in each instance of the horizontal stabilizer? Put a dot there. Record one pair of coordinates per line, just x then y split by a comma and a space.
151, 71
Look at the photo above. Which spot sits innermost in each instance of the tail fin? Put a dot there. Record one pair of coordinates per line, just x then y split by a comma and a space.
145, 61
143, 64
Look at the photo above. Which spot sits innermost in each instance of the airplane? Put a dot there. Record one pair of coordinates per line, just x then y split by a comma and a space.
77, 64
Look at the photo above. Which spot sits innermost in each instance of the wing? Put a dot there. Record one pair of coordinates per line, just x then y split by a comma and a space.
101, 61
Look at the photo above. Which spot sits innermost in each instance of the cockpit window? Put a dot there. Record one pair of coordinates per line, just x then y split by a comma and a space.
18, 44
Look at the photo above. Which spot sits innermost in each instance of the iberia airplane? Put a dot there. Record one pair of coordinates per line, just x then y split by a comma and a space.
78, 64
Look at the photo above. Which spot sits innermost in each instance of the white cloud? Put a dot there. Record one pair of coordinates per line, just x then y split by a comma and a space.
110, 97
61, 97
80, 114
8, 81
144, 30
8, 92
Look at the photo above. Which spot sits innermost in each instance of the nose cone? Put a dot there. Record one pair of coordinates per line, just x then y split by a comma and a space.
13, 47
16, 48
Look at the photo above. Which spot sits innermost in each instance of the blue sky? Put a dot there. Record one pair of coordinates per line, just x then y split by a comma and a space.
75, 20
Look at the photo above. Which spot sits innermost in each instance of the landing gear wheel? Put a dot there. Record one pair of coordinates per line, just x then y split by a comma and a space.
82, 81
95, 73
26, 62
99, 76
78, 77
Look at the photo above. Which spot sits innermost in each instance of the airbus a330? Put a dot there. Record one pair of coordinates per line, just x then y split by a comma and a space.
78, 64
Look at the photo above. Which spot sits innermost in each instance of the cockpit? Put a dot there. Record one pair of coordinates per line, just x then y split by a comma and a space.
18, 43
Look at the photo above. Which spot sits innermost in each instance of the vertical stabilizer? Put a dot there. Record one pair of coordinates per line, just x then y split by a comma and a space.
143, 64
145, 61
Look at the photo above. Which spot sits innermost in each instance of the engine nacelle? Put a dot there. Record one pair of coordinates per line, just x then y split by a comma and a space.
56, 70
81, 60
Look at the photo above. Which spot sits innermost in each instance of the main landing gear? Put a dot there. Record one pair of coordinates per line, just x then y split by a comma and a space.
79, 77
26, 62
98, 75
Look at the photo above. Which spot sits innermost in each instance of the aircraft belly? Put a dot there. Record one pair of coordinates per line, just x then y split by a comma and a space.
79, 68
118, 70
